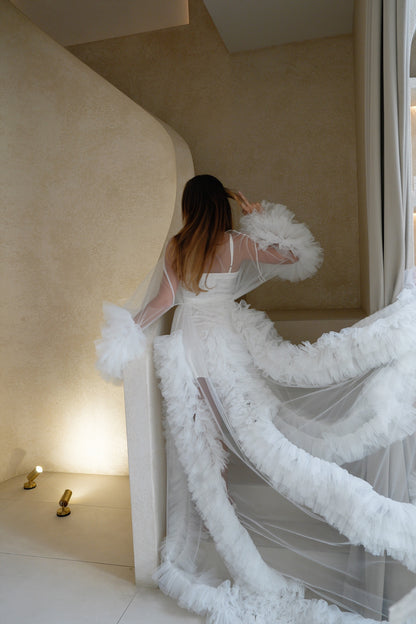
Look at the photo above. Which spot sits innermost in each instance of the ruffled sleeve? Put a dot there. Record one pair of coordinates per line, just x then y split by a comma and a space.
122, 341
275, 227
271, 244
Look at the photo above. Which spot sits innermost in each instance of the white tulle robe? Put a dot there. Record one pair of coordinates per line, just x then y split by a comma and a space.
291, 469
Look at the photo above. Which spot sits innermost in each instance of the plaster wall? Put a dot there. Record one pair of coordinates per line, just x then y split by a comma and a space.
89, 187
276, 123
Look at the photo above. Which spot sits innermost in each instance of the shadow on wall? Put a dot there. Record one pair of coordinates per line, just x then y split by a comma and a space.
15, 461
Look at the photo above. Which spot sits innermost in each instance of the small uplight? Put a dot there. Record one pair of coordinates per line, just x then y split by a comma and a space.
30, 483
64, 510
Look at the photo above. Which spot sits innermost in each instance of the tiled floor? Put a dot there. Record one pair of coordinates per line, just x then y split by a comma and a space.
77, 569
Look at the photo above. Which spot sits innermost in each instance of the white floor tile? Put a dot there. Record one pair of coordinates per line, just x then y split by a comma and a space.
152, 607
4, 504
93, 490
78, 569
89, 534
46, 591
13, 488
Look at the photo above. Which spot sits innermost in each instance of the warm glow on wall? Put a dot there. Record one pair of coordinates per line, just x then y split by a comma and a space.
93, 442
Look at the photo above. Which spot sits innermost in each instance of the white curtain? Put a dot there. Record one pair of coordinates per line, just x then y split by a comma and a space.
386, 28
387, 159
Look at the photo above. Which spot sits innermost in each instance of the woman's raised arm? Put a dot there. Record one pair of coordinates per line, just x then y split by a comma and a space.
252, 250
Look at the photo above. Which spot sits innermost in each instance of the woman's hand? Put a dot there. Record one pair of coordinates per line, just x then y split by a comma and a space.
246, 206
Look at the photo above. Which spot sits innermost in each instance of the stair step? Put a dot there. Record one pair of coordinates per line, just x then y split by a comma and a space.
300, 325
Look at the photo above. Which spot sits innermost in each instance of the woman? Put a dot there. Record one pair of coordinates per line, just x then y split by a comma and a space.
206, 245
287, 516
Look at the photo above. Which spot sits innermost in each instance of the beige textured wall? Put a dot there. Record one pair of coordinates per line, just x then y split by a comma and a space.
277, 123
89, 183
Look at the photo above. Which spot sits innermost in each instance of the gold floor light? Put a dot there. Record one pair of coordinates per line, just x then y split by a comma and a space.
64, 510
30, 483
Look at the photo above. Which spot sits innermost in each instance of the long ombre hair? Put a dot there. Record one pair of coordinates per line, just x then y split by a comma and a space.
206, 215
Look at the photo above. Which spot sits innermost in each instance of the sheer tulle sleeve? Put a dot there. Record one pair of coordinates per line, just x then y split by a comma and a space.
165, 298
123, 338
272, 244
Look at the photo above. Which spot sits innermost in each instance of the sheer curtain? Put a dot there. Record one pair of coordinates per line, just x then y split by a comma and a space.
386, 29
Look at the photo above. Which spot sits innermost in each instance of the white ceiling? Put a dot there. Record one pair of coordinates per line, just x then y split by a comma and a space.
253, 24
243, 24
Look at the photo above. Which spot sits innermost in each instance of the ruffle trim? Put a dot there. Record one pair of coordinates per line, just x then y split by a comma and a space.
259, 594
334, 357
383, 414
347, 503
390, 390
122, 341
203, 459
276, 225
231, 603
